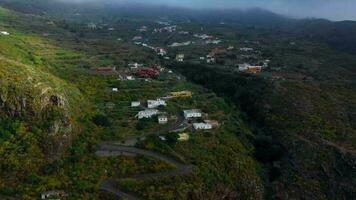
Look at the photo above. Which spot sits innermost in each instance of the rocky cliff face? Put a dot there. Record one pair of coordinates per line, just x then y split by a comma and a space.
41, 100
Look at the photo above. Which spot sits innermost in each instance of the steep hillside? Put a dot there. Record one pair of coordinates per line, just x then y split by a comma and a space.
39, 112
304, 130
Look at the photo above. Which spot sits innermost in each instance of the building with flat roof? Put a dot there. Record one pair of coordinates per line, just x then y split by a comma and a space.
202, 126
194, 113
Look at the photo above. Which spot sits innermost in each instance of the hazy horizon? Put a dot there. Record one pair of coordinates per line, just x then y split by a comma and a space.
328, 9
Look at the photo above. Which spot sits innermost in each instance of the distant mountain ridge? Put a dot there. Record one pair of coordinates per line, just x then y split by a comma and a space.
338, 35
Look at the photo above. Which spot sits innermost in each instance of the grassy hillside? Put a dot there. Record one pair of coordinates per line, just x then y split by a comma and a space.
55, 112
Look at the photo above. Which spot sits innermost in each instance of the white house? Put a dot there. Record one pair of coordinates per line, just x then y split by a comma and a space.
246, 49
135, 65
148, 113
4, 33
137, 38
162, 119
180, 57
135, 104
202, 126
244, 66
194, 113
115, 89
210, 60
161, 51
130, 78
156, 103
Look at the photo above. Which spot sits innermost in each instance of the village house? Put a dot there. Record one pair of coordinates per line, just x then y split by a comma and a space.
135, 104
92, 26
194, 113
213, 123
143, 29
183, 137
162, 119
213, 41
180, 44
180, 57
163, 138
183, 32
130, 78
203, 36
246, 49
148, 113
106, 69
135, 65
115, 89
58, 195
202, 126
210, 60
161, 51
137, 38
249, 68
185, 93
156, 103
4, 33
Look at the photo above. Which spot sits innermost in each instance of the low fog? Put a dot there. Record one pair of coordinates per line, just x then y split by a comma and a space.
329, 9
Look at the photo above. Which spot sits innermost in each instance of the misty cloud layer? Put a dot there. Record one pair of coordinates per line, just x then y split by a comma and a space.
330, 9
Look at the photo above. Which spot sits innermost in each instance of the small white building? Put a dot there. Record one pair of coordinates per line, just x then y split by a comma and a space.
148, 113
156, 103
130, 78
135, 65
137, 38
246, 49
161, 51
54, 194
194, 113
162, 119
4, 33
180, 57
244, 66
163, 138
210, 60
135, 104
115, 89
202, 126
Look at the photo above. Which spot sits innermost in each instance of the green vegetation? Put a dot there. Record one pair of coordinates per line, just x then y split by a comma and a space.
286, 133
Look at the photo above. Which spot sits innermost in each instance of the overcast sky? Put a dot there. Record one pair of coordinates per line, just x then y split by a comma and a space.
330, 9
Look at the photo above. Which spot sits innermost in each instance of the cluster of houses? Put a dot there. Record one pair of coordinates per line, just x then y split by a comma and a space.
152, 110
196, 113
189, 115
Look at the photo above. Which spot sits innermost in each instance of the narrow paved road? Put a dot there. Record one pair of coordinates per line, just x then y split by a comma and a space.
108, 150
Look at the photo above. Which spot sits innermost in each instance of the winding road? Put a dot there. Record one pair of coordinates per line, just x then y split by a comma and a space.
109, 150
